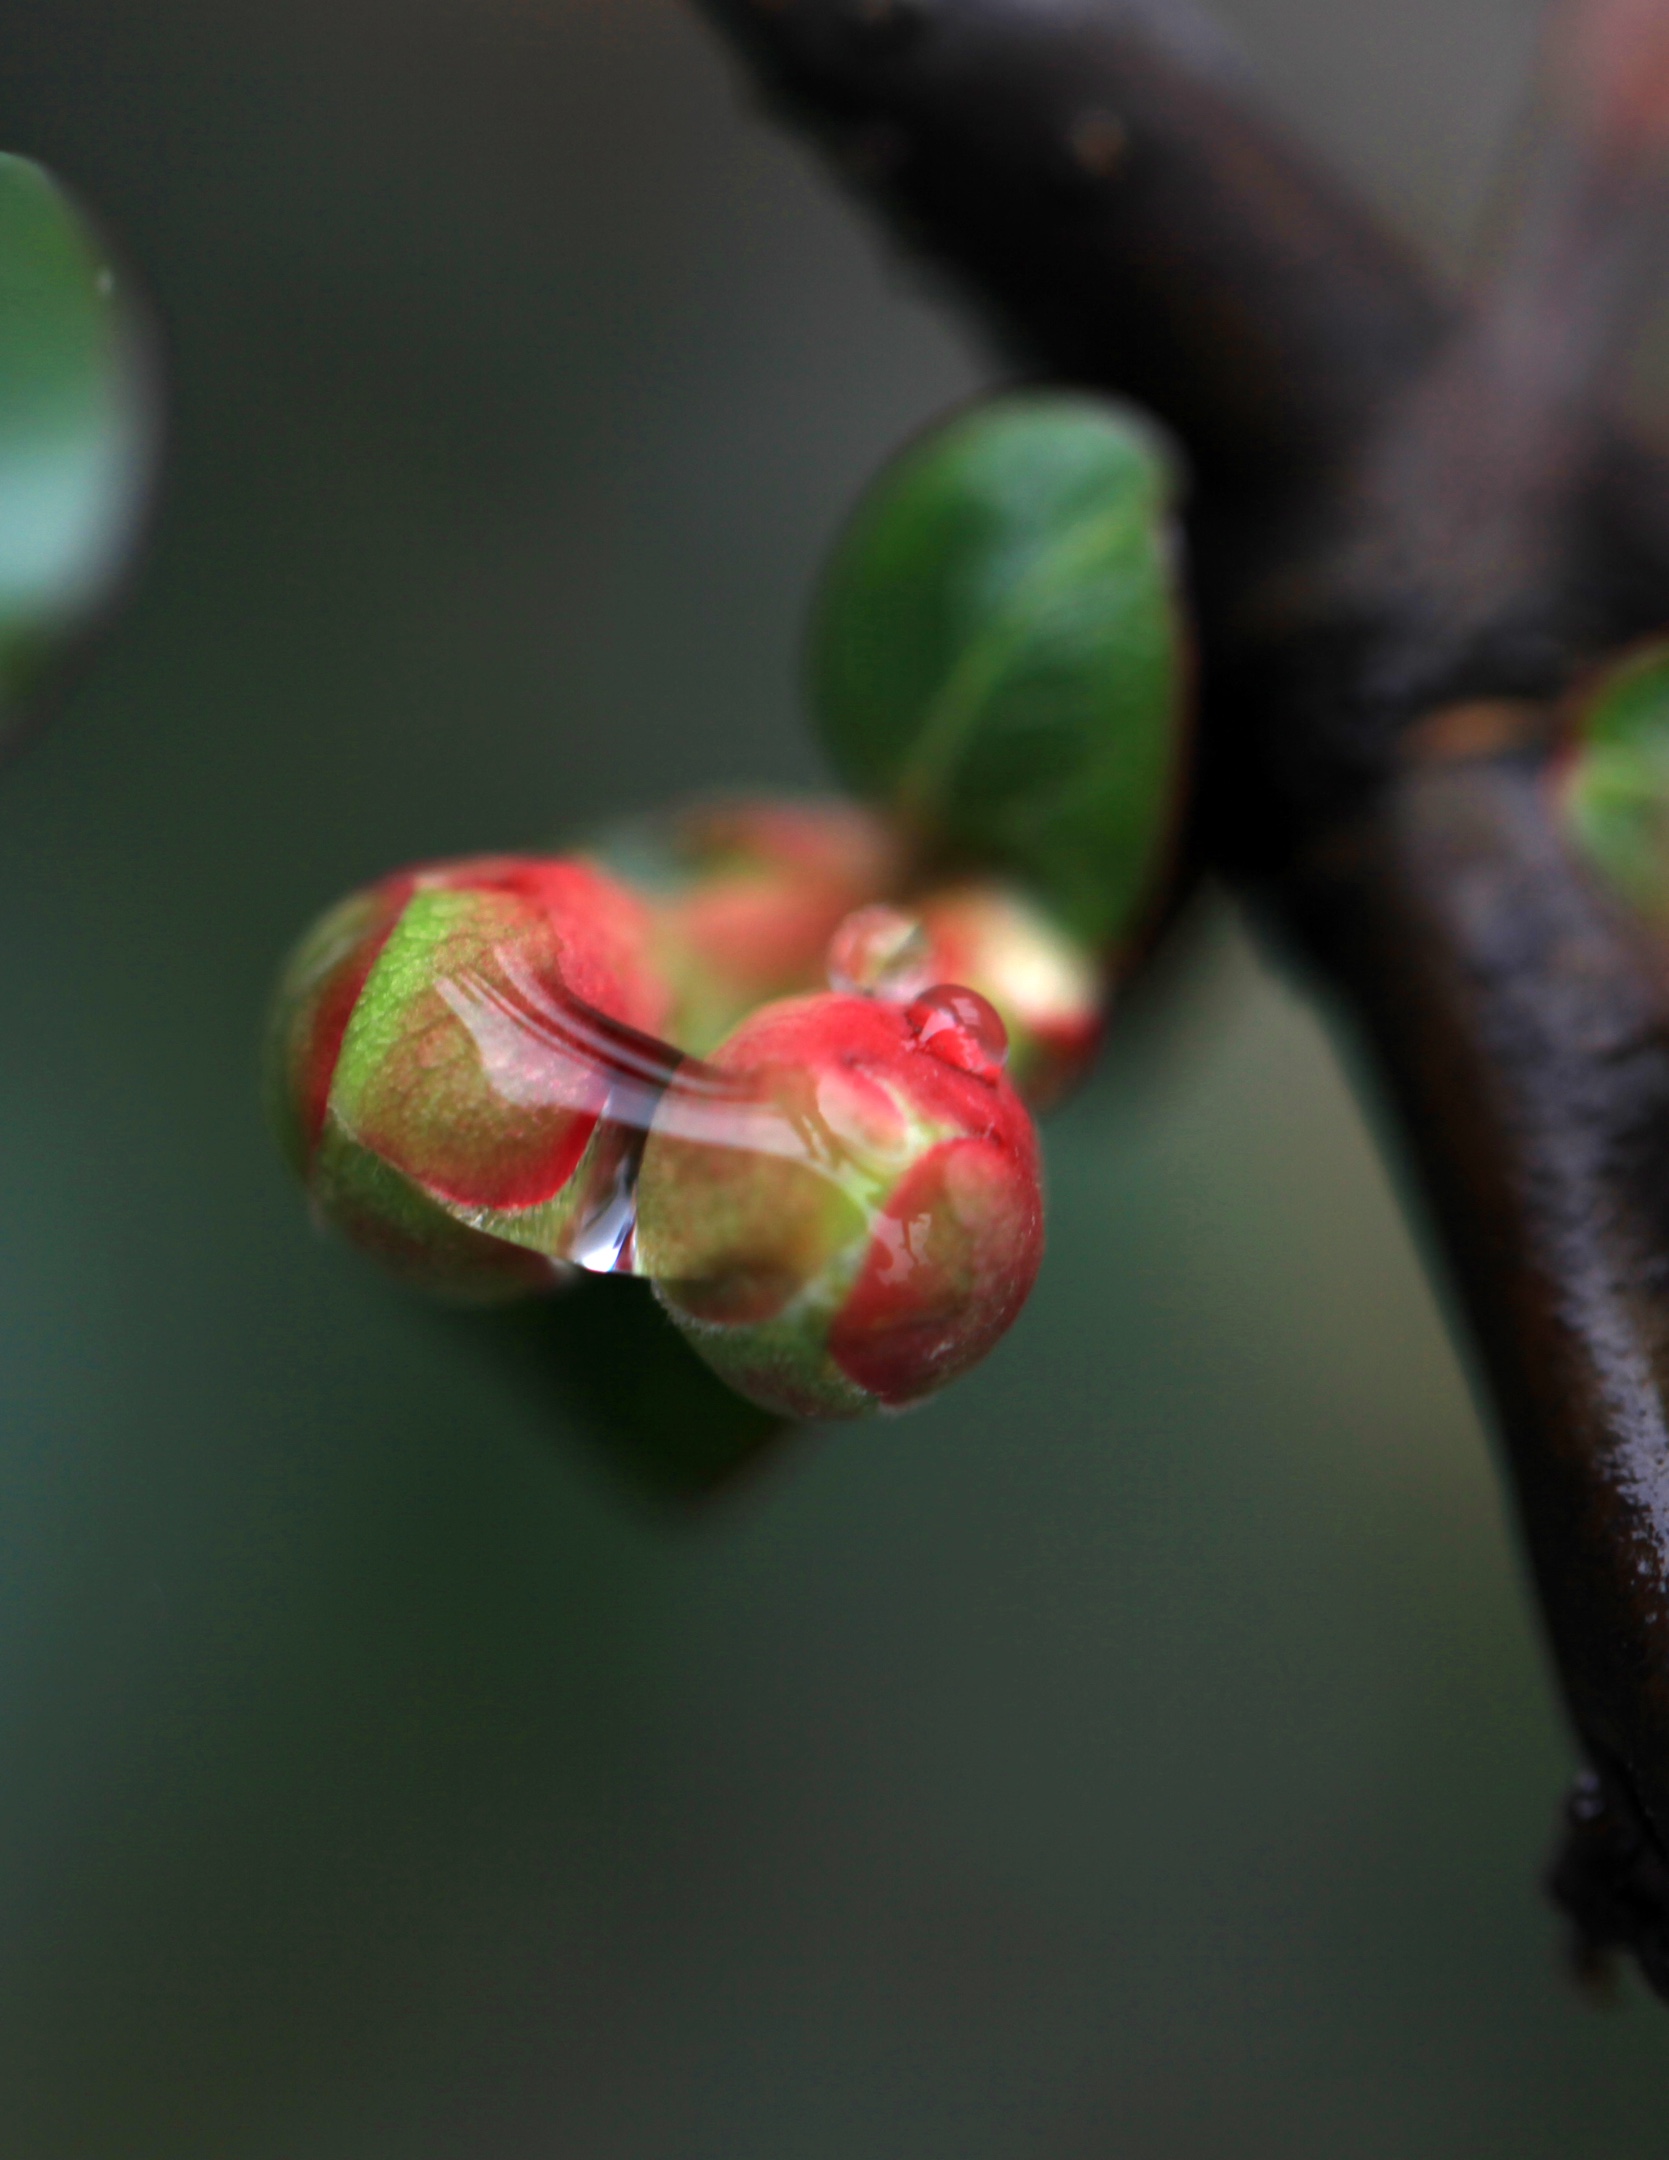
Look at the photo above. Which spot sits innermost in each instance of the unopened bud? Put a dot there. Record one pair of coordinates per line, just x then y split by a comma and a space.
747, 894
869, 1225
444, 1048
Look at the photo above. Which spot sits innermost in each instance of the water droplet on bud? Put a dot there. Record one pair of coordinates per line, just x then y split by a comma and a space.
835, 1220
961, 1028
882, 952
539, 1046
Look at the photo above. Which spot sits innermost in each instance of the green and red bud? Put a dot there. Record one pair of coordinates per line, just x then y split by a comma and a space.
843, 1210
1048, 987
444, 1049
746, 895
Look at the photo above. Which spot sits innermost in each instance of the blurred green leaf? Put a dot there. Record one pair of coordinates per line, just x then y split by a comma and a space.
998, 650
1615, 791
74, 425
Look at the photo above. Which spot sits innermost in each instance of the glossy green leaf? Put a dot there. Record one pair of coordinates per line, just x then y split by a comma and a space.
998, 651
1616, 783
74, 425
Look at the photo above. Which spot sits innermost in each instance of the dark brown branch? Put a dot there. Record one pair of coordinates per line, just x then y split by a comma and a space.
1523, 1035
1373, 561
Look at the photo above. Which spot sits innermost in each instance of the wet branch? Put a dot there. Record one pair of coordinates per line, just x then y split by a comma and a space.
1413, 525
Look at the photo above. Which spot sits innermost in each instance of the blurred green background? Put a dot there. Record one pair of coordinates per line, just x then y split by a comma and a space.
1146, 1750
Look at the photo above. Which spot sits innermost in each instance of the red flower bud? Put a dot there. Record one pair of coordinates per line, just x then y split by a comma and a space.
843, 1211
443, 1058
747, 894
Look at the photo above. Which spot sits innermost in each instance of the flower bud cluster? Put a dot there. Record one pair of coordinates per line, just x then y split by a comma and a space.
758, 898
841, 1209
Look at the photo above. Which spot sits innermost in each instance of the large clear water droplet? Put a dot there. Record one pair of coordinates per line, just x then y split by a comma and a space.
549, 1055
573, 1082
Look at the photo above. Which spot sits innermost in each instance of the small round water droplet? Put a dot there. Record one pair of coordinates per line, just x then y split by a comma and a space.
880, 952
962, 1028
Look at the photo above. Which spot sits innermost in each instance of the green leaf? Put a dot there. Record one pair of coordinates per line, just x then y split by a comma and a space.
1616, 786
75, 425
998, 651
